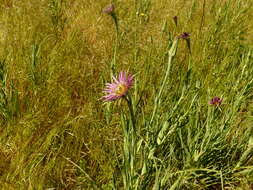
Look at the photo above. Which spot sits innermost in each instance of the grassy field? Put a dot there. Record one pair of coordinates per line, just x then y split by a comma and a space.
56, 132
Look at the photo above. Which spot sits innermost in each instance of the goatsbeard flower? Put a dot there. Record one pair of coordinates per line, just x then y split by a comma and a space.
175, 18
109, 9
215, 101
184, 35
119, 87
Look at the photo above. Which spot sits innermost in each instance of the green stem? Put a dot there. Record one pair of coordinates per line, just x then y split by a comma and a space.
113, 63
172, 53
131, 110
130, 146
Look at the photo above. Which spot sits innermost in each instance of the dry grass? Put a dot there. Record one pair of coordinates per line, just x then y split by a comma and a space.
56, 133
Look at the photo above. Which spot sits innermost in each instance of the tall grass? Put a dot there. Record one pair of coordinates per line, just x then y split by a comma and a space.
57, 55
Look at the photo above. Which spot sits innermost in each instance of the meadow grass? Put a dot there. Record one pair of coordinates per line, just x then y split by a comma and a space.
56, 57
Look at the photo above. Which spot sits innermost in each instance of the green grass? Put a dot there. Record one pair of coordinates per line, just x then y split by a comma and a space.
56, 133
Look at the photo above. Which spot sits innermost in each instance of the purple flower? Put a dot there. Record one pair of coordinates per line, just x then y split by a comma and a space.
109, 9
184, 35
119, 87
215, 101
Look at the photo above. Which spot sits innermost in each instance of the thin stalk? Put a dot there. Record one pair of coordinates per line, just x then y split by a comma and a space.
131, 110
113, 63
202, 16
171, 53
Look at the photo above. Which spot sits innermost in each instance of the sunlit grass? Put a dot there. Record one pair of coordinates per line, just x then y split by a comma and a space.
57, 55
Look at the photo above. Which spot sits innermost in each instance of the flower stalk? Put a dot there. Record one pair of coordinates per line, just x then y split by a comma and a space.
110, 10
115, 90
172, 53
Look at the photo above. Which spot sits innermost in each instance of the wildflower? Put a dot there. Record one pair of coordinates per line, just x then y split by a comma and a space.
175, 19
119, 87
215, 101
109, 9
184, 35
142, 14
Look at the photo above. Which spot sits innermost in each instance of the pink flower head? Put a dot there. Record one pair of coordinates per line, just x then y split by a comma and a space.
119, 87
215, 101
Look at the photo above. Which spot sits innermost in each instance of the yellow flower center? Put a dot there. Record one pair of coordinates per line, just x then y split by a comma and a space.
121, 89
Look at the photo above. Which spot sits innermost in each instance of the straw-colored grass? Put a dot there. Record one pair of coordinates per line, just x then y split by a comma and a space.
57, 55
